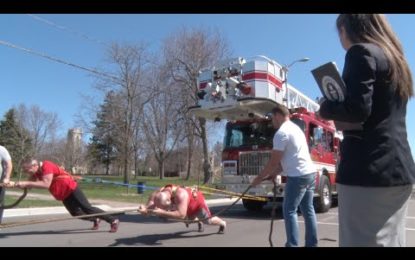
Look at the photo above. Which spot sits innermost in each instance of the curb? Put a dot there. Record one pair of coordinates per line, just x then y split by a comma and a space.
27, 212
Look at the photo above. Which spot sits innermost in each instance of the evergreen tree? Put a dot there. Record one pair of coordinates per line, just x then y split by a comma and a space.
15, 138
103, 145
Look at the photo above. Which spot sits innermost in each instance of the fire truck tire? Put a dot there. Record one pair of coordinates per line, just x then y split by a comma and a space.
323, 202
252, 205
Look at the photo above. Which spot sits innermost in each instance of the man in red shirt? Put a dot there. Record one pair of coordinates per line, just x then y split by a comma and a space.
173, 201
47, 175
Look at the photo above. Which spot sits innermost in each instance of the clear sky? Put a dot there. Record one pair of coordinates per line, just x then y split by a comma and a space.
57, 87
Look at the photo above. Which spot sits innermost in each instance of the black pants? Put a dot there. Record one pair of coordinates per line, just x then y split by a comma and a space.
77, 204
2, 195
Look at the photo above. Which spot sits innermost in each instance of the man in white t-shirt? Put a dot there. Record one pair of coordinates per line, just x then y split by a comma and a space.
6, 167
290, 155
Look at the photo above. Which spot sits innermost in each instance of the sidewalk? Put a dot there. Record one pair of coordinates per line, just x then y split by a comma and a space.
102, 204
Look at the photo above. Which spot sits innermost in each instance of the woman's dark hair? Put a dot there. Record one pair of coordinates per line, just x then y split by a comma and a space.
375, 28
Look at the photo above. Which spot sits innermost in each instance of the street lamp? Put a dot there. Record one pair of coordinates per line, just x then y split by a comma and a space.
285, 70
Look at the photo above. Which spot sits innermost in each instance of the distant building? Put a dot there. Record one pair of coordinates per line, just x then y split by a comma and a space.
74, 138
74, 150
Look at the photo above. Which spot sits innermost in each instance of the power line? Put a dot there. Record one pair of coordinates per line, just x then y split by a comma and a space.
96, 72
65, 28
77, 33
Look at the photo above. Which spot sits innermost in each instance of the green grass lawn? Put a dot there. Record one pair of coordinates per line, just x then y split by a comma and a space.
94, 190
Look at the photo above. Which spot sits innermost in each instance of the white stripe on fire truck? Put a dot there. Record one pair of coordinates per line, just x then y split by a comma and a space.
254, 75
263, 76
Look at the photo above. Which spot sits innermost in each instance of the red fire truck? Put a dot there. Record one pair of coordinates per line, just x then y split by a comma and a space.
244, 92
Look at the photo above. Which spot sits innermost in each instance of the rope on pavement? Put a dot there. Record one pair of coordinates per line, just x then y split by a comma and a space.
274, 207
118, 213
31, 222
135, 209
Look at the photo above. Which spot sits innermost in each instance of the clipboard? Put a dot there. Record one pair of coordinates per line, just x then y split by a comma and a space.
330, 82
333, 88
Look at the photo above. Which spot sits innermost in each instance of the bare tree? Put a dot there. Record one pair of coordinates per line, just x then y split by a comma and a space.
87, 111
187, 52
42, 128
140, 148
161, 124
57, 150
42, 125
129, 63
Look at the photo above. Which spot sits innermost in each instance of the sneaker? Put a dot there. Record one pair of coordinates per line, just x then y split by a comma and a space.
114, 226
201, 227
96, 224
222, 228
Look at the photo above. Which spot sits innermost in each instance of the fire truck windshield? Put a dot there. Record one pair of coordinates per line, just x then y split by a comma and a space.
247, 134
299, 122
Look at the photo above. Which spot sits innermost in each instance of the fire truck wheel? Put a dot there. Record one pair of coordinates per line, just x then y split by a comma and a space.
253, 205
323, 202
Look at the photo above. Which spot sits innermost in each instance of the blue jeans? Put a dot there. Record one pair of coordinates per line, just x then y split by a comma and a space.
299, 191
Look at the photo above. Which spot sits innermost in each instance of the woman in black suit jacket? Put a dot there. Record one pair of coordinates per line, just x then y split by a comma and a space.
376, 170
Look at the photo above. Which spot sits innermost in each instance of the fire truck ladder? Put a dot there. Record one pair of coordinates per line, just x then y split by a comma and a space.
294, 99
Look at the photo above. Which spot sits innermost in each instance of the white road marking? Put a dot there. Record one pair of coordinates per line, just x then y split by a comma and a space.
336, 213
336, 224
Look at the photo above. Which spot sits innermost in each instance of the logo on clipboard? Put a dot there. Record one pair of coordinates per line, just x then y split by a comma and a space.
330, 82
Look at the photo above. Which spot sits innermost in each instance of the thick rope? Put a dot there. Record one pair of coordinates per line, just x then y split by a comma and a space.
242, 195
8, 225
16, 202
234, 195
117, 213
132, 209
246, 196
274, 207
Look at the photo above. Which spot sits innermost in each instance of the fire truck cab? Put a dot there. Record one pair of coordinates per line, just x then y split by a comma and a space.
247, 146
243, 93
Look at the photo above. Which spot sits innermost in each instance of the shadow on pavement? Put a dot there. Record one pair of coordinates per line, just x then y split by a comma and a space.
104, 227
137, 218
155, 239
237, 211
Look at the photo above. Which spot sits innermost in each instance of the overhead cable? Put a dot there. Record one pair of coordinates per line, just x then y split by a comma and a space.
65, 28
43, 55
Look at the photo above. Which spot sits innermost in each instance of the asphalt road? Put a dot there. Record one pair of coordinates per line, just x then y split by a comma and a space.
245, 229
